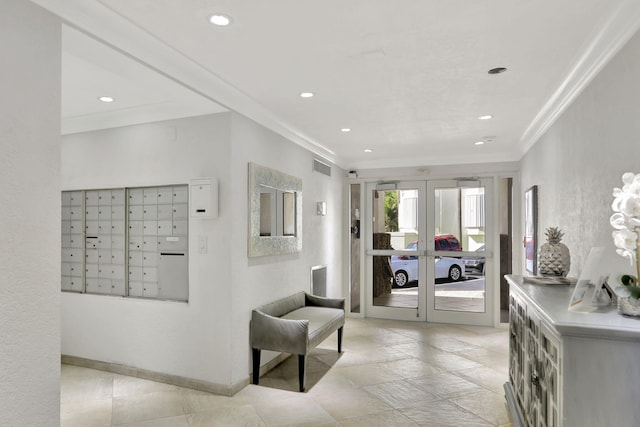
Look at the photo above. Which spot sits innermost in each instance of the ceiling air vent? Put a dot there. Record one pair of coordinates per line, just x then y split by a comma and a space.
321, 167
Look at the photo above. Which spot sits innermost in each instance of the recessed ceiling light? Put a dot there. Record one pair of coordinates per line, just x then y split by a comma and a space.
486, 117
345, 130
106, 98
497, 70
479, 143
306, 95
220, 19
368, 150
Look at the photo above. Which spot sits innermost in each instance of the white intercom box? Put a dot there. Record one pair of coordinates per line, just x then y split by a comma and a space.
204, 198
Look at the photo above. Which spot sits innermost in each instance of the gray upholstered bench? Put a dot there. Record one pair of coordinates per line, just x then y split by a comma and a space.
295, 325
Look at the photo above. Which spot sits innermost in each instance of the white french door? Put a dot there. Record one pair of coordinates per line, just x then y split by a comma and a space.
395, 251
459, 211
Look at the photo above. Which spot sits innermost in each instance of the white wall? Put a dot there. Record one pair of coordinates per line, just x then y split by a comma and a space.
189, 340
208, 338
30, 216
582, 157
257, 281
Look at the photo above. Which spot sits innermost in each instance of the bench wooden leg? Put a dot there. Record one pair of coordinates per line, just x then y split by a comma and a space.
256, 365
340, 339
301, 377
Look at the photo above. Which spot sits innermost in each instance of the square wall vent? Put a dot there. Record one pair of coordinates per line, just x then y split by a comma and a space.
321, 167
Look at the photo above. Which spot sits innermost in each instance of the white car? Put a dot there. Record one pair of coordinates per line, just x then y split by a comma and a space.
405, 269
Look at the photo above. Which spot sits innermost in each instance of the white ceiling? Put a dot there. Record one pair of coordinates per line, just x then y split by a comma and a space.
409, 77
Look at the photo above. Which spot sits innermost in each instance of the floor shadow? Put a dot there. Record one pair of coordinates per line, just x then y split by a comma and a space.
285, 375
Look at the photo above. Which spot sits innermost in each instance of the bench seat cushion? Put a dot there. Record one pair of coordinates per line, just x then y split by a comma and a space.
323, 321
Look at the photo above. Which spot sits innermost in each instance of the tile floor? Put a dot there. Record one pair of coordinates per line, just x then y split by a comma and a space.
390, 373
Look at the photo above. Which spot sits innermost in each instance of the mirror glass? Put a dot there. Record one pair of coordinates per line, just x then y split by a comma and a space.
275, 212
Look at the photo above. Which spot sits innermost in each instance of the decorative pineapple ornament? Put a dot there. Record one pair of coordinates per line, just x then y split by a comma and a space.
553, 256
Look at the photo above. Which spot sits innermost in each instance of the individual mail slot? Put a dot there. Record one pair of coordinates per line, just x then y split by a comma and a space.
76, 241
91, 213
75, 269
150, 228
66, 226
180, 227
66, 198
165, 212
180, 194
66, 241
117, 257
66, 268
104, 227
104, 286
91, 227
76, 284
91, 242
150, 212
117, 226
104, 271
65, 213
117, 197
92, 285
104, 256
117, 287
135, 228
116, 272
173, 276
75, 227
173, 244
91, 270
91, 256
150, 196
135, 258
135, 243
104, 213
91, 198
150, 274
150, 259
117, 242
104, 242
150, 290
75, 198
150, 244
117, 212
136, 212
135, 289
75, 213
135, 274
165, 228
104, 197
72, 255
165, 195
65, 283
180, 211
135, 196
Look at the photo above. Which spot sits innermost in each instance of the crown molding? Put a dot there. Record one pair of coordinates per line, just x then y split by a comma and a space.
612, 35
98, 21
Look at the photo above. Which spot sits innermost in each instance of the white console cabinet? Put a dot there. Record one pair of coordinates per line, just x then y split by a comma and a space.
570, 368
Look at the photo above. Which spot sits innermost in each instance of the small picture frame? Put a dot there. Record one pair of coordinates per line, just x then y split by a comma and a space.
531, 229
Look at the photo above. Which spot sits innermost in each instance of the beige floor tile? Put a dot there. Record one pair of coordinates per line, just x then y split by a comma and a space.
299, 410
488, 405
361, 375
410, 368
443, 413
385, 419
131, 386
226, 416
401, 394
147, 406
486, 377
86, 413
179, 421
447, 385
198, 401
80, 387
349, 404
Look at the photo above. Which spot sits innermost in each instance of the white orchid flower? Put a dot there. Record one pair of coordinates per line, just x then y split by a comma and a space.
625, 239
630, 206
630, 255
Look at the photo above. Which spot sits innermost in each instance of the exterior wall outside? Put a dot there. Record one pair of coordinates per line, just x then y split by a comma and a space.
582, 157
30, 216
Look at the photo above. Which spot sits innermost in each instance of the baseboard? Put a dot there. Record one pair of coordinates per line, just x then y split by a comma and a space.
176, 380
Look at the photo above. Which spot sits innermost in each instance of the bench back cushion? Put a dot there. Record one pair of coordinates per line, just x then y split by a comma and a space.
285, 305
